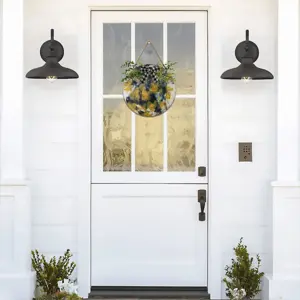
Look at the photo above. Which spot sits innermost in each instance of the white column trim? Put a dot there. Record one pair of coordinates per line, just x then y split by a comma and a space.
288, 91
285, 184
12, 90
15, 271
284, 281
17, 281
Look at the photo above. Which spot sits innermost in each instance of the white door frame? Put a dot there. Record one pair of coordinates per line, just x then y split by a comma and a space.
84, 151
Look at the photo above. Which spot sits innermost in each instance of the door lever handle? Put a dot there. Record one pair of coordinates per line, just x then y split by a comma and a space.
202, 201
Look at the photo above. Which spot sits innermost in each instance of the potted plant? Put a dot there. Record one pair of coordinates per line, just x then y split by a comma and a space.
149, 90
53, 277
242, 277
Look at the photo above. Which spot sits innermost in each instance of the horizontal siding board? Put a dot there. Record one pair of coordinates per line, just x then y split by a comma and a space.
54, 211
53, 129
55, 238
53, 183
53, 103
54, 156
255, 237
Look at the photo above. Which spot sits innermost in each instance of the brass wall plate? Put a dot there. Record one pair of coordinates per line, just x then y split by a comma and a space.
245, 152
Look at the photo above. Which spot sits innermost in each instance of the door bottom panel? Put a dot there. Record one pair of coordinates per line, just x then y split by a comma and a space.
147, 236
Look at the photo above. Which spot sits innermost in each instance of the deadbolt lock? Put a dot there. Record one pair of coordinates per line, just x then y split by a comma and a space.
201, 171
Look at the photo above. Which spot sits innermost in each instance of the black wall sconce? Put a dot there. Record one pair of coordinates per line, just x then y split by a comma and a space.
52, 53
247, 53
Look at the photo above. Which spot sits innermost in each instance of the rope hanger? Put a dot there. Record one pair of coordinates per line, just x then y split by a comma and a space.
149, 43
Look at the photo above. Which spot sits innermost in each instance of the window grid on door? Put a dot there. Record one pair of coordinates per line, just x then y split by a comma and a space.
179, 97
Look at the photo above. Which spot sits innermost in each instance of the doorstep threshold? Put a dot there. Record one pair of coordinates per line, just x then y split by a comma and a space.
136, 292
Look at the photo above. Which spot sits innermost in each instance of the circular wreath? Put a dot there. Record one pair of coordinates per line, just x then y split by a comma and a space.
149, 90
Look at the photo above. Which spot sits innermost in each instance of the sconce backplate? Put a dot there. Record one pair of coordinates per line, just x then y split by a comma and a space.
241, 51
52, 48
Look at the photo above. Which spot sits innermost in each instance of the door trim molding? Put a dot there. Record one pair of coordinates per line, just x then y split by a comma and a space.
84, 137
149, 8
84, 155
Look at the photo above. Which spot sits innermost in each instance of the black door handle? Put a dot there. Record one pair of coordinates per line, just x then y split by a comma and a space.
202, 201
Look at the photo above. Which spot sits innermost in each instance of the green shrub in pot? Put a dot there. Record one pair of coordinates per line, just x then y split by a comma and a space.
53, 276
242, 274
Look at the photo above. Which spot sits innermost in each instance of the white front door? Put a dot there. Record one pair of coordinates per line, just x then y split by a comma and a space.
145, 224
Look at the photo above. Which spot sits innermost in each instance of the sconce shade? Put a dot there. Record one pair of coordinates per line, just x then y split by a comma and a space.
52, 52
247, 53
55, 69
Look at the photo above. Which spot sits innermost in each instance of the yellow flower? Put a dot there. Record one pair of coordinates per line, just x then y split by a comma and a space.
147, 114
162, 105
145, 95
139, 107
169, 89
135, 94
127, 86
168, 96
152, 106
154, 87
132, 106
141, 87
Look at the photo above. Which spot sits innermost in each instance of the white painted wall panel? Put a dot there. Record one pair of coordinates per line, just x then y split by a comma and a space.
6, 230
59, 129
53, 183
54, 211
53, 103
54, 238
53, 155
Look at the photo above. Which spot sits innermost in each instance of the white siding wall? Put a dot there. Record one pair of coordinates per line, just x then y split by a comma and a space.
51, 131
240, 192
1, 17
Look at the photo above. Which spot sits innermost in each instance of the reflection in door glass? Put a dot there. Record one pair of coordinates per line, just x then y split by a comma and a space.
116, 136
149, 144
181, 136
181, 49
149, 32
116, 50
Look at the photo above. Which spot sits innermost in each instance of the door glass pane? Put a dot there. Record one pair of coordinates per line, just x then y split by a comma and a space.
149, 131
149, 144
149, 32
116, 50
181, 135
116, 136
181, 49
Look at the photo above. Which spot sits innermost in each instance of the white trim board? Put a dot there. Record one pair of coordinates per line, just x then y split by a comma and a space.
149, 8
84, 151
